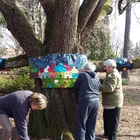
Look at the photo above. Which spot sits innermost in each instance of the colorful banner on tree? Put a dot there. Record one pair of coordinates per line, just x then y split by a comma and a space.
2, 64
57, 70
124, 64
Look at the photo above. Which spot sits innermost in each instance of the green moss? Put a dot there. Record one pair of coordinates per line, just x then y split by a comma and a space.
67, 136
37, 124
2, 20
24, 57
106, 9
136, 62
54, 132
125, 81
57, 134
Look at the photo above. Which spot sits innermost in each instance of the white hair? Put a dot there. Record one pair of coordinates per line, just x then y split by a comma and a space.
89, 66
110, 63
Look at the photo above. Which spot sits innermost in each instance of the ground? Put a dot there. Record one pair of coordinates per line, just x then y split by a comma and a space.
129, 126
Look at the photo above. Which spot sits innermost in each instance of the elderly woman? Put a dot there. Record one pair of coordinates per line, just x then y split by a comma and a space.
112, 99
87, 87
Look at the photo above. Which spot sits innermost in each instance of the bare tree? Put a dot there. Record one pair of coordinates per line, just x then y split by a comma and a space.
127, 36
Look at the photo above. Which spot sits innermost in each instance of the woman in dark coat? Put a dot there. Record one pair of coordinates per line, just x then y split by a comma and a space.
87, 88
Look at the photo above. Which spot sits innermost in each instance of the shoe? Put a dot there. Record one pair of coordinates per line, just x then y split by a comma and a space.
103, 136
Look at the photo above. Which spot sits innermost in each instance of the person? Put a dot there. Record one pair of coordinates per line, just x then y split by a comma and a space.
87, 88
112, 99
17, 105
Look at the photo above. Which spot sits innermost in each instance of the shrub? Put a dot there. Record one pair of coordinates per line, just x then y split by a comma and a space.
125, 81
14, 83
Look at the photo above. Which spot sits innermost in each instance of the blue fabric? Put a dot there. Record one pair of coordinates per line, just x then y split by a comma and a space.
124, 64
57, 62
61, 59
2, 64
60, 68
70, 59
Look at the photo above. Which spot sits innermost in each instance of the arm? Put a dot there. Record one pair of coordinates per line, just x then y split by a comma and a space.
101, 80
20, 118
77, 83
110, 84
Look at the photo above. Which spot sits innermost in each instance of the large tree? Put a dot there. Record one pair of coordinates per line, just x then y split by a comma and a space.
67, 27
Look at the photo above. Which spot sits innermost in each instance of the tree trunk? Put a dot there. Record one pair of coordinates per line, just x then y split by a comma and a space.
61, 109
58, 117
127, 37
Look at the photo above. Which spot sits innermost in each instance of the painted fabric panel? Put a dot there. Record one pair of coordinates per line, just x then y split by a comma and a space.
57, 70
124, 64
2, 64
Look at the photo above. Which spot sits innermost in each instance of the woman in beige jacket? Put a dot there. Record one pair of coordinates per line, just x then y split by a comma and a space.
112, 99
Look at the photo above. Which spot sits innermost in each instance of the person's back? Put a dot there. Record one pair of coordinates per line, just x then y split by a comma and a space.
18, 105
18, 100
87, 88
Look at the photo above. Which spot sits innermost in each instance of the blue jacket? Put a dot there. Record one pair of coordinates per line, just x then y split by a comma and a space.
17, 106
87, 86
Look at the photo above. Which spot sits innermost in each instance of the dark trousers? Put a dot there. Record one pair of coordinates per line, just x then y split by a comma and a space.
111, 121
86, 120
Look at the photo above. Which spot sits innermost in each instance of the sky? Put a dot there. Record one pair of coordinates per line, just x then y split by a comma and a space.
118, 23
7, 37
135, 25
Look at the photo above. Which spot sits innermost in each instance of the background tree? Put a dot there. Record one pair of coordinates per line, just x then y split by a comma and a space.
127, 36
2, 48
98, 46
134, 51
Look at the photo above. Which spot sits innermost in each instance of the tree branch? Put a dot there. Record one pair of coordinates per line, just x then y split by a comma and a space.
20, 28
85, 12
93, 18
120, 9
16, 62
48, 7
90, 24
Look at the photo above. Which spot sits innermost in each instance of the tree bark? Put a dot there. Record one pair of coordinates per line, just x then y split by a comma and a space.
85, 13
91, 21
127, 36
64, 29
